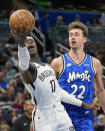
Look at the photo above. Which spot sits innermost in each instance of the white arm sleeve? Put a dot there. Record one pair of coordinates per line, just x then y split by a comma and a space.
67, 98
24, 58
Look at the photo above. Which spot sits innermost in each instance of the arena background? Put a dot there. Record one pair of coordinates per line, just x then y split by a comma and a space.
59, 14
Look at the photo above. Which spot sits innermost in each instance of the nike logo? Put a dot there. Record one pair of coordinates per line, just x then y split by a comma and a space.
86, 65
69, 64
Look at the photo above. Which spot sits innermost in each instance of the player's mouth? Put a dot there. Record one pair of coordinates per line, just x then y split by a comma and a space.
30, 47
73, 42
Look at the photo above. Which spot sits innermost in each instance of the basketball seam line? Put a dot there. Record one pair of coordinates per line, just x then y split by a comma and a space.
28, 17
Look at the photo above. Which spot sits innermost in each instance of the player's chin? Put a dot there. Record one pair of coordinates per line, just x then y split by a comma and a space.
73, 47
32, 53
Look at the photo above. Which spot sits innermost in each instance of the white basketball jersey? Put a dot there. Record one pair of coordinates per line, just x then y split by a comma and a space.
45, 88
50, 114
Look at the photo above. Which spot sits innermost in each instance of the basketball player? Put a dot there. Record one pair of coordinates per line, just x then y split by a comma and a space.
77, 72
41, 82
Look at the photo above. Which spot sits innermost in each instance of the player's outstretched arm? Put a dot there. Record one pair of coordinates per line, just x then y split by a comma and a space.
67, 98
25, 67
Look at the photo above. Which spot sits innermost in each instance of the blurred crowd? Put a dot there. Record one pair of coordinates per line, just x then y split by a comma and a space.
14, 97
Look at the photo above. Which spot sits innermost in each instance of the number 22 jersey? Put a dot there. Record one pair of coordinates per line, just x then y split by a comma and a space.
78, 80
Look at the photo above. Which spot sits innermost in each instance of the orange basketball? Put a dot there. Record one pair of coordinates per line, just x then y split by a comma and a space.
21, 19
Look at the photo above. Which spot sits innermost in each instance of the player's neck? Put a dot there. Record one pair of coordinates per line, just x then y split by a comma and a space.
77, 53
77, 56
35, 58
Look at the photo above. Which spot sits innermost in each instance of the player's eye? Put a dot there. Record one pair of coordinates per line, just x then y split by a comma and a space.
77, 34
71, 34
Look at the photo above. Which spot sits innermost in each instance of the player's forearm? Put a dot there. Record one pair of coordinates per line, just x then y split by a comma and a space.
24, 58
86, 106
101, 97
67, 98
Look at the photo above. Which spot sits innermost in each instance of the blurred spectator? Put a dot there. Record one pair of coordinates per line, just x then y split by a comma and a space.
14, 58
5, 104
44, 26
3, 82
13, 117
49, 59
3, 16
1, 117
3, 58
11, 93
77, 18
95, 117
33, 10
18, 103
14, 83
101, 123
91, 22
102, 19
23, 123
10, 72
59, 21
26, 94
4, 127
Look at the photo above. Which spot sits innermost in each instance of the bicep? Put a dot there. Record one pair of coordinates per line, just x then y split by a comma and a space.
29, 75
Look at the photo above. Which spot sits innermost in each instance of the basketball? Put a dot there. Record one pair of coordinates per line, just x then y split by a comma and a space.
22, 19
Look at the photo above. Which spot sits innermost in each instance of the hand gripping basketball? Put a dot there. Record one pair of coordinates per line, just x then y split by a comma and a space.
22, 22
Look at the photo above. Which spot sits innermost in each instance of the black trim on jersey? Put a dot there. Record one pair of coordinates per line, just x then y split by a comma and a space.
35, 73
92, 65
35, 101
62, 68
34, 96
33, 118
76, 63
33, 86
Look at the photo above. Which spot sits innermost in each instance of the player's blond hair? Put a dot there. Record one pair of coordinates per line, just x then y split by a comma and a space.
79, 25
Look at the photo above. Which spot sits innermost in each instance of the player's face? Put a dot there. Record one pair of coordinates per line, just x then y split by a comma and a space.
31, 46
76, 38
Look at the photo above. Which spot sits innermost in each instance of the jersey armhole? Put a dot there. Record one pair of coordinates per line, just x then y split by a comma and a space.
61, 72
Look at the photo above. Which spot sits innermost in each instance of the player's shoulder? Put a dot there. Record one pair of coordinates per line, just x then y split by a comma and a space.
96, 61
96, 64
57, 65
57, 61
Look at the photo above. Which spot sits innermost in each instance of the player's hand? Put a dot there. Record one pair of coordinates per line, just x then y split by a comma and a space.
20, 34
20, 31
93, 106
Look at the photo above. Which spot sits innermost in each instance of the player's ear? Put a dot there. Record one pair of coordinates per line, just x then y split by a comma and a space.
85, 39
